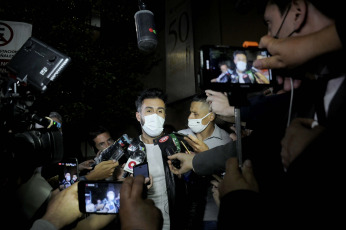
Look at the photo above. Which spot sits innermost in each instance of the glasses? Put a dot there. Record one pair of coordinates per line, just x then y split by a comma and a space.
283, 21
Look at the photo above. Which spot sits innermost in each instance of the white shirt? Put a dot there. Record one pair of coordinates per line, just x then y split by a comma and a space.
158, 192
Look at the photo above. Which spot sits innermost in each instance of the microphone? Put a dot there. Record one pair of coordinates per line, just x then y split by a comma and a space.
115, 152
45, 122
145, 28
137, 153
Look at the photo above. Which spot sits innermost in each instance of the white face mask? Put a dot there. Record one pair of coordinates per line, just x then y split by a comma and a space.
196, 124
153, 125
241, 66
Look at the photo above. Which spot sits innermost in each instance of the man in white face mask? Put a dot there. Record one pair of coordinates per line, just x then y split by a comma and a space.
201, 122
151, 113
240, 74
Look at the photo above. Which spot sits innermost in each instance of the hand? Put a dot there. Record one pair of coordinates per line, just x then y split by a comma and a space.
219, 103
185, 162
215, 189
281, 53
286, 84
150, 179
103, 170
244, 133
197, 145
136, 213
85, 165
236, 179
297, 137
63, 207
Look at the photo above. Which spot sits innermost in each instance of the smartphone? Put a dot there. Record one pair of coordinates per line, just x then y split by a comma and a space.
141, 169
67, 172
99, 197
229, 68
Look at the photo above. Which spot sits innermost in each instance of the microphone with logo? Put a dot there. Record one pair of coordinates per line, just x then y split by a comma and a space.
145, 28
136, 151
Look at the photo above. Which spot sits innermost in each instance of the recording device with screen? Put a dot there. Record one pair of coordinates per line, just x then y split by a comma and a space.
229, 68
99, 197
67, 172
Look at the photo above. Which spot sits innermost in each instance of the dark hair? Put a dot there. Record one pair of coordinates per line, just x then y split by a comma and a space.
201, 97
235, 53
325, 7
150, 93
94, 132
281, 4
226, 63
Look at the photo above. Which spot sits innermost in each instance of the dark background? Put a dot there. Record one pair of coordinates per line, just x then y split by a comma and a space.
108, 70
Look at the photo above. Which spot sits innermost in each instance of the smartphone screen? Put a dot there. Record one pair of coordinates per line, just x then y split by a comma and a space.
141, 169
99, 197
67, 172
227, 68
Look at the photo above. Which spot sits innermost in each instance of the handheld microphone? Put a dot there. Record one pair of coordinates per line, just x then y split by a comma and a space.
137, 153
145, 28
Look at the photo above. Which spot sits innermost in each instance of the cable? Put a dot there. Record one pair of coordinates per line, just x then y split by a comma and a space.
291, 102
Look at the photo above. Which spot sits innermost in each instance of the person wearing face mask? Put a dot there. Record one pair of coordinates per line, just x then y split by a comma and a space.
168, 190
241, 73
201, 122
309, 154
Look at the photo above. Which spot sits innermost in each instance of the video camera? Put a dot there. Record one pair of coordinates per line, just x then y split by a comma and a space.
31, 70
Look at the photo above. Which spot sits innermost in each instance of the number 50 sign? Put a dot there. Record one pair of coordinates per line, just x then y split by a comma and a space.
180, 74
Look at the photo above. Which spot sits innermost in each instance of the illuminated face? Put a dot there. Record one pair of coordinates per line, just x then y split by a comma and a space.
68, 176
223, 68
103, 140
110, 195
151, 106
240, 57
198, 110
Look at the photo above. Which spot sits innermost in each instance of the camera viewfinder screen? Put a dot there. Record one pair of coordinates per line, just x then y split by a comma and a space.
233, 66
102, 197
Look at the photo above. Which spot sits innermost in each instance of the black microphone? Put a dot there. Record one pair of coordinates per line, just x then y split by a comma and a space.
138, 155
145, 28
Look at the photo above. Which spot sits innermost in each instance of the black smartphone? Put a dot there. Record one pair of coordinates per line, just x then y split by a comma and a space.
99, 197
141, 169
229, 68
67, 172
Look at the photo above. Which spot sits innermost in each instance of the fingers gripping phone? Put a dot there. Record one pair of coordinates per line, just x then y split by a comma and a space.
99, 197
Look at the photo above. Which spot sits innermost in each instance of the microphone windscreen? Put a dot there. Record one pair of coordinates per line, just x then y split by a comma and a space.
145, 29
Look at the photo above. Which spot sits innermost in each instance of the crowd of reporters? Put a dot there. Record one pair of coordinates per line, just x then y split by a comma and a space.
291, 167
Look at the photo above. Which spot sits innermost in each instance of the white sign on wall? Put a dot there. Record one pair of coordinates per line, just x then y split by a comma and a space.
180, 73
12, 36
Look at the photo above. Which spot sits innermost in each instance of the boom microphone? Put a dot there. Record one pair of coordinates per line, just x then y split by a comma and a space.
145, 28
